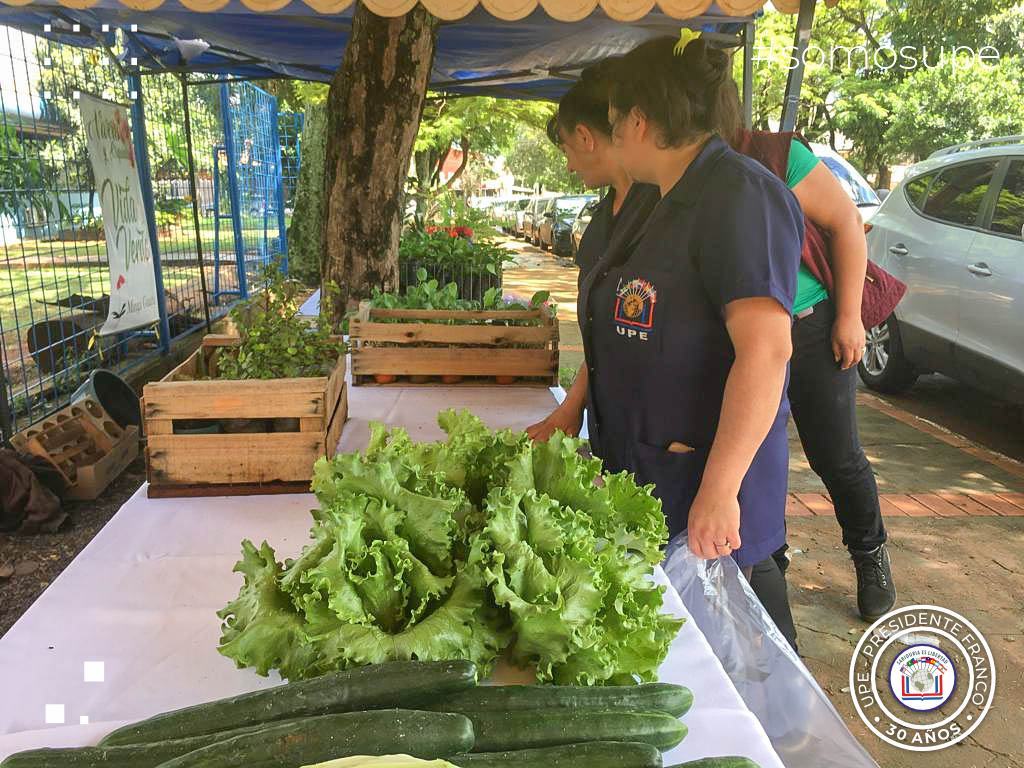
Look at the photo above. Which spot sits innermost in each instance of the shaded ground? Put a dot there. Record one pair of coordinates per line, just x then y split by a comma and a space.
969, 565
39, 559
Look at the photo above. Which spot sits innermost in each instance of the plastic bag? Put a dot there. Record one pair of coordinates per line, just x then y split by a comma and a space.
801, 723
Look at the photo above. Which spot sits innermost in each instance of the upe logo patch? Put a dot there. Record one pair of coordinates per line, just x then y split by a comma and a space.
635, 301
922, 678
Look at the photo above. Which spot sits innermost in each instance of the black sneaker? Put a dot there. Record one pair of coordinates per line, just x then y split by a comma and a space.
876, 592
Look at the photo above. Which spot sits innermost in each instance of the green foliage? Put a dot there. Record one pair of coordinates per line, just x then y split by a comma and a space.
429, 294
24, 178
536, 162
306, 231
462, 549
897, 113
276, 342
170, 210
444, 249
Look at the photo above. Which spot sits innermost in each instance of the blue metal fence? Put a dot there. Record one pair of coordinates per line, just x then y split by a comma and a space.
53, 290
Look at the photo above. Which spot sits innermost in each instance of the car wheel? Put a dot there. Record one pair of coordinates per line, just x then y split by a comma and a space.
884, 367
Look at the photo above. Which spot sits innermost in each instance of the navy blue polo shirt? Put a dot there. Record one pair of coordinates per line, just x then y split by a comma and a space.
636, 207
658, 352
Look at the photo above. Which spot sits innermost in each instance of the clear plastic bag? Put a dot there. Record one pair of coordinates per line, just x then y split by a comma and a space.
803, 726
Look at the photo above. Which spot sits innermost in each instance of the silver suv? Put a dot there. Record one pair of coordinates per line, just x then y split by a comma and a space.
953, 231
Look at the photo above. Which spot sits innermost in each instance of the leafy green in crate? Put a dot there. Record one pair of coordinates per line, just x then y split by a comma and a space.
462, 549
276, 342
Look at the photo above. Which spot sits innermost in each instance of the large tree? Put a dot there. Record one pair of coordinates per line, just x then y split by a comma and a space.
373, 112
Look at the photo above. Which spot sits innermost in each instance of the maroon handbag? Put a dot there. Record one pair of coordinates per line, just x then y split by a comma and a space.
882, 291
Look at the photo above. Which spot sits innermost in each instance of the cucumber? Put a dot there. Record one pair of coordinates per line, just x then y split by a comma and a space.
501, 731
719, 762
293, 744
649, 697
125, 756
594, 754
381, 686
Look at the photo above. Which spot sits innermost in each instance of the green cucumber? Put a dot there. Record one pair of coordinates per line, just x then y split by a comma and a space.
594, 754
125, 756
428, 735
381, 686
649, 697
501, 731
719, 762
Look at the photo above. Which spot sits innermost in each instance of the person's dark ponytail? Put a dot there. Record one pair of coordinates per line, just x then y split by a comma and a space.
685, 95
586, 103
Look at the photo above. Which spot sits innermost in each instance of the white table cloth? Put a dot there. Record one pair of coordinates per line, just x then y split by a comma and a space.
143, 595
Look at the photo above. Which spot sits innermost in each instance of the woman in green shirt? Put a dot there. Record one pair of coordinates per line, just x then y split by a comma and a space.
828, 342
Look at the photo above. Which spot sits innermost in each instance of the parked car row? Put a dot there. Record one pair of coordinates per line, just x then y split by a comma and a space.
547, 221
953, 231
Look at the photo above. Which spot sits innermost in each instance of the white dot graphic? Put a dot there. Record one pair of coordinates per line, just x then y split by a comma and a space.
83, 720
54, 714
93, 671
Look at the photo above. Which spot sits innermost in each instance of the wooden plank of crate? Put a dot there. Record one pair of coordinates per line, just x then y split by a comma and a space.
456, 362
186, 367
243, 399
415, 333
337, 424
221, 340
239, 458
457, 314
334, 386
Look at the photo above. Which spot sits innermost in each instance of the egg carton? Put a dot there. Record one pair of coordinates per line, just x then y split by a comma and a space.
85, 444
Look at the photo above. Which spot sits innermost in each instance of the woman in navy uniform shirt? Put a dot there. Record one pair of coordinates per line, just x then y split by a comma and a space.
686, 318
581, 130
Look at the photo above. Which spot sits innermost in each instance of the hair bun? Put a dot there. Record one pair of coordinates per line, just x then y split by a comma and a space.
705, 64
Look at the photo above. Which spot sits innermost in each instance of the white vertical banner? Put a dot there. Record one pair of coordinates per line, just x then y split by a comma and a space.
129, 251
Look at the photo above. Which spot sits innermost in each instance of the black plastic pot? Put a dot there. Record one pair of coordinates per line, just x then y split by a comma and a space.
473, 283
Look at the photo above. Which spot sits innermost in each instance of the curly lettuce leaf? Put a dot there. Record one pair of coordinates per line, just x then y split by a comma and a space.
261, 629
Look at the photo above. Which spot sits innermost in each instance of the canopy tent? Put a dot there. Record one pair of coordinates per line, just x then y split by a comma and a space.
508, 48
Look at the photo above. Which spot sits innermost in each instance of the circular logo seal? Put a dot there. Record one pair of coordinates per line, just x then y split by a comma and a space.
922, 678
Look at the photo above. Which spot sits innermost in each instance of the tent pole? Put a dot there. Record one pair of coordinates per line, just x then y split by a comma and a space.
194, 191
796, 75
748, 75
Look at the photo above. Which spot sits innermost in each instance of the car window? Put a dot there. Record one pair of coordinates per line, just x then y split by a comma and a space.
1009, 213
915, 190
571, 205
859, 192
957, 193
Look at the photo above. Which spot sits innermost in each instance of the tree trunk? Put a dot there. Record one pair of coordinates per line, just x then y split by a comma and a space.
373, 113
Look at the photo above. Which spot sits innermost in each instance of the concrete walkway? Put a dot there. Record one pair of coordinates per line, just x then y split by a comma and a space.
954, 511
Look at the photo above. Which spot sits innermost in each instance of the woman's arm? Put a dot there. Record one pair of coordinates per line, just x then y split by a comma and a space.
760, 330
826, 204
568, 416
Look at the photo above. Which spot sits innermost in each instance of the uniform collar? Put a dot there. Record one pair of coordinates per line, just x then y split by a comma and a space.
688, 189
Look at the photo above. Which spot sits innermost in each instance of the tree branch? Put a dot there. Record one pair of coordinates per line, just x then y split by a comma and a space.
464, 141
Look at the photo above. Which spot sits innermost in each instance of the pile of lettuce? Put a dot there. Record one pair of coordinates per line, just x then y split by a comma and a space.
482, 544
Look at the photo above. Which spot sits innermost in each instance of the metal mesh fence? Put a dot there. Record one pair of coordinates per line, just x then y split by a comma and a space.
55, 281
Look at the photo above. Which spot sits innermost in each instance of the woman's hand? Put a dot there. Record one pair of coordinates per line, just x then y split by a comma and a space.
848, 340
568, 419
714, 525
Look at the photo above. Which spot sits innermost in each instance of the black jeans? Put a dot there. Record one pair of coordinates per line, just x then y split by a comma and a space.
768, 581
823, 400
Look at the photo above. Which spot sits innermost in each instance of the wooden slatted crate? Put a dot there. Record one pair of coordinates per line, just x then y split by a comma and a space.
306, 414
420, 346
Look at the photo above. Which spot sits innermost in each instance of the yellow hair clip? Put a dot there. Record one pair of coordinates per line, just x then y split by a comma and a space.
686, 36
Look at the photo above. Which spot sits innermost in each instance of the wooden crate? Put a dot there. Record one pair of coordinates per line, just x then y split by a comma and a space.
313, 409
476, 348
87, 447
